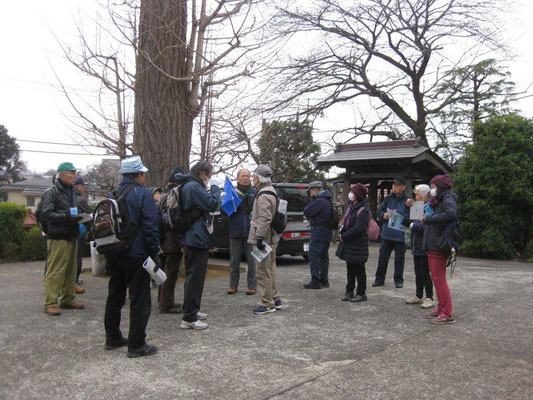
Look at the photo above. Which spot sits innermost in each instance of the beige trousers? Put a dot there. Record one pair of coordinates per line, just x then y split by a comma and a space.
267, 278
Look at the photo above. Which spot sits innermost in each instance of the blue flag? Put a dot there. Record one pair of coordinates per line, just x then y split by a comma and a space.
231, 199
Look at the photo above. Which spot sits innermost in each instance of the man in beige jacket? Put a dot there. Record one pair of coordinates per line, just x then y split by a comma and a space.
260, 233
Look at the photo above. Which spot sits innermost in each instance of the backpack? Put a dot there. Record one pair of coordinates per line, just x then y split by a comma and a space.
451, 238
372, 229
173, 216
112, 230
279, 222
39, 213
334, 218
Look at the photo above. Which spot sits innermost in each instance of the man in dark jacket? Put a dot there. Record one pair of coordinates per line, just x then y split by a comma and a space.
239, 228
79, 191
59, 213
126, 270
392, 239
318, 212
197, 240
171, 247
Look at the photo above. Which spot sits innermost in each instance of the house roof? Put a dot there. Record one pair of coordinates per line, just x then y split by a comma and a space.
380, 157
33, 186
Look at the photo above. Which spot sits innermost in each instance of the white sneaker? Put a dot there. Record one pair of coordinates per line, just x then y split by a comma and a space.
201, 316
414, 300
428, 303
193, 325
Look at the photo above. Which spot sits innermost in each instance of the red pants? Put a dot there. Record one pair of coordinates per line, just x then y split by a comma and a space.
437, 266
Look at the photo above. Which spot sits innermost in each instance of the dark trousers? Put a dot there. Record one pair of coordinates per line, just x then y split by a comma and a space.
319, 261
127, 273
387, 246
195, 270
356, 271
81, 250
236, 247
423, 277
167, 289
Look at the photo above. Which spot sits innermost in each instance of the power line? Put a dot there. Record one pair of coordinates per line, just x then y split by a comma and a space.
73, 154
61, 144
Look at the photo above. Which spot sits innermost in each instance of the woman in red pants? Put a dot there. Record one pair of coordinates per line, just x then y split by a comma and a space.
443, 211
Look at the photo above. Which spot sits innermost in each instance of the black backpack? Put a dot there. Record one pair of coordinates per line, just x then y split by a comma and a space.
452, 237
39, 212
279, 222
112, 229
173, 217
334, 218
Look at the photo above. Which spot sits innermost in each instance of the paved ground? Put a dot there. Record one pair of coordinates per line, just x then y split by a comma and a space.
318, 347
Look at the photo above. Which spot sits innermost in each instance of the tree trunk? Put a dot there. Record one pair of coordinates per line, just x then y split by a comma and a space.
163, 118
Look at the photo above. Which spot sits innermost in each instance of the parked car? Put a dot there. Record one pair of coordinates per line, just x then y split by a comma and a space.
295, 238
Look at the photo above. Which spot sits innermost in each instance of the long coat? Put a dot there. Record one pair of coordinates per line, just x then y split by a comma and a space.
353, 247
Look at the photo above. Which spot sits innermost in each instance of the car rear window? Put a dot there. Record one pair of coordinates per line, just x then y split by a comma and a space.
296, 198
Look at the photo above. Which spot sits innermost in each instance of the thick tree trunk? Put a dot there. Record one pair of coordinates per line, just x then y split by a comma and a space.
163, 119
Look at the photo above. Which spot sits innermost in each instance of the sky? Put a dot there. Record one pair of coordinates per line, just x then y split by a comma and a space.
33, 109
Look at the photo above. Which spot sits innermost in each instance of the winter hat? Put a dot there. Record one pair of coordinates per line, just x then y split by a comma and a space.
315, 185
359, 190
79, 181
172, 177
442, 181
263, 170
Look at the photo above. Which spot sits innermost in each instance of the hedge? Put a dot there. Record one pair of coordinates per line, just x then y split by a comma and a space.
11, 228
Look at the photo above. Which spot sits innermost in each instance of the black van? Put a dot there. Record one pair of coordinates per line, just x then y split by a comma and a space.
295, 238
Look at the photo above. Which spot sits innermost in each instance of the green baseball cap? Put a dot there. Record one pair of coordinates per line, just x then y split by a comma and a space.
66, 166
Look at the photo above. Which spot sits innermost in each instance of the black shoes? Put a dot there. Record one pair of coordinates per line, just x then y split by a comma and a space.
115, 345
376, 283
144, 351
325, 284
359, 298
347, 297
398, 285
313, 285
170, 309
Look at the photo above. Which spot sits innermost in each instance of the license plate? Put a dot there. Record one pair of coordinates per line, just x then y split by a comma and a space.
306, 246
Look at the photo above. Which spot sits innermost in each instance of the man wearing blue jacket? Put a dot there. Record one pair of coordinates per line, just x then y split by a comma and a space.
392, 239
127, 270
318, 212
196, 200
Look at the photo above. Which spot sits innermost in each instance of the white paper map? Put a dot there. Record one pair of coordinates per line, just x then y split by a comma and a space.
260, 255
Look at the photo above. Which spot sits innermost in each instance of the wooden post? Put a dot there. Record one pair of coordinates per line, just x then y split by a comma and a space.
373, 197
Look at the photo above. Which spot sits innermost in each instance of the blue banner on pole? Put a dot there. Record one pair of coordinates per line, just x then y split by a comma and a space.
231, 199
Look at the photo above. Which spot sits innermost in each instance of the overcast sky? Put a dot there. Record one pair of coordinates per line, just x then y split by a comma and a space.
32, 109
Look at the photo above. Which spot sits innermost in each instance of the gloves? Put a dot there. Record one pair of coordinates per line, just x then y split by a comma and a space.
260, 245
406, 222
214, 182
157, 262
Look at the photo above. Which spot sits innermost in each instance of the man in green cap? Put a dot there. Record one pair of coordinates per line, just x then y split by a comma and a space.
60, 214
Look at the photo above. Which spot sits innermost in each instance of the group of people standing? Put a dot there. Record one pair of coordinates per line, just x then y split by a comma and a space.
250, 225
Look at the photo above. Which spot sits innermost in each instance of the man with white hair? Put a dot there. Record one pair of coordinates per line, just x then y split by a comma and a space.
261, 233
60, 213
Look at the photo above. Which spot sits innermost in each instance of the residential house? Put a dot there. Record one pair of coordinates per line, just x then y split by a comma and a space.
27, 193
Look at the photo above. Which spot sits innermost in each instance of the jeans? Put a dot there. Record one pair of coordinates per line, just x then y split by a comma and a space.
319, 261
236, 247
195, 269
127, 272
167, 289
437, 265
356, 271
387, 246
422, 277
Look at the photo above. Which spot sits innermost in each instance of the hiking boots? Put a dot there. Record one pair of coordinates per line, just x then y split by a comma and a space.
52, 311
72, 306
146, 350
313, 285
79, 290
116, 344
359, 298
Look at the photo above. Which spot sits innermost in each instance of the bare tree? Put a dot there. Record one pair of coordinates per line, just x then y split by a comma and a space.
391, 53
104, 117
188, 52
